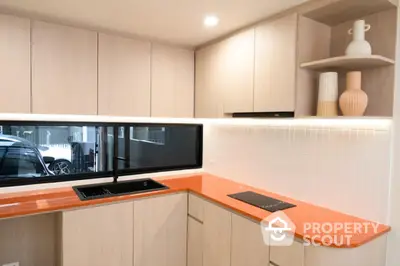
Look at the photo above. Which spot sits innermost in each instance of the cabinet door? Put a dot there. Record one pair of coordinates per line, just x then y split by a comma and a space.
15, 65
275, 65
100, 236
160, 231
124, 76
195, 242
196, 207
30, 240
238, 72
208, 88
288, 256
248, 247
216, 236
64, 70
172, 82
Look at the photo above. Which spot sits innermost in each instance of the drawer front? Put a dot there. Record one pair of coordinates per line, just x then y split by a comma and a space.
287, 256
196, 207
194, 243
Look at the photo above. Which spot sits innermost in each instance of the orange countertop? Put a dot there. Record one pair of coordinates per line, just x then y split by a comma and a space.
215, 189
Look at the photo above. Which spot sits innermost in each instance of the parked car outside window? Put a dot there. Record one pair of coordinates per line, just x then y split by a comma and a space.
61, 154
20, 158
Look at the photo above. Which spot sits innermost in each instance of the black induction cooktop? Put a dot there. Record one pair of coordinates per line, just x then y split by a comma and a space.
261, 201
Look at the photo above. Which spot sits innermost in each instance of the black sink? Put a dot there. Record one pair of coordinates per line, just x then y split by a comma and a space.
105, 190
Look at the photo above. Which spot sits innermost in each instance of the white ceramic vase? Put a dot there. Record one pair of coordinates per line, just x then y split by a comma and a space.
359, 46
328, 94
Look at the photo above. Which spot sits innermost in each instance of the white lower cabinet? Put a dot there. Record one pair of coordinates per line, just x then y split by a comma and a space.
288, 256
165, 231
216, 235
196, 207
94, 236
248, 247
195, 243
160, 231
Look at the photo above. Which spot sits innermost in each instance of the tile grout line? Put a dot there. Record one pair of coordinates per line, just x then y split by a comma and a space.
151, 75
97, 70
30, 66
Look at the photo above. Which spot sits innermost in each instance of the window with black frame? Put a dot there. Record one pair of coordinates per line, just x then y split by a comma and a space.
36, 152
143, 148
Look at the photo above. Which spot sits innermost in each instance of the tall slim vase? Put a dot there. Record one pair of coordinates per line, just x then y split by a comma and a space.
353, 101
328, 94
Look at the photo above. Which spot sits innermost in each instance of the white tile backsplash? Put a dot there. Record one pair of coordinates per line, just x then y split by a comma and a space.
343, 168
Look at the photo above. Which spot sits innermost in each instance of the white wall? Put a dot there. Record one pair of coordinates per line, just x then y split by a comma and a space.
393, 245
339, 164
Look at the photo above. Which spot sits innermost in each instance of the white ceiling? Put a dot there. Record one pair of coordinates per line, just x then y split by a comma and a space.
174, 21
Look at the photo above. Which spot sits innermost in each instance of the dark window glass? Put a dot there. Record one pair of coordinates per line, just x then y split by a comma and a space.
21, 162
155, 147
56, 150
34, 152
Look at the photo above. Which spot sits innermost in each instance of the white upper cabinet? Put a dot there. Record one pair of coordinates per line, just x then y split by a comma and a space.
64, 70
237, 73
275, 65
208, 89
252, 71
124, 76
224, 76
15, 65
172, 82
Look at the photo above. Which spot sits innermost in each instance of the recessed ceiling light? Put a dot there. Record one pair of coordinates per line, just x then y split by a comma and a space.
211, 21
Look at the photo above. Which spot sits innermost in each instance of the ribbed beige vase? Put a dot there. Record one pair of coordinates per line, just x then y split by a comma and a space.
353, 101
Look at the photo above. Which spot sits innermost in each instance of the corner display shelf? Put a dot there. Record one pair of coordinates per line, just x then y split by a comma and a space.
349, 62
339, 11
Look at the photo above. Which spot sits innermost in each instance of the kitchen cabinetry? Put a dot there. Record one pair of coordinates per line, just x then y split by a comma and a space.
196, 207
224, 76
252, 71
124, 76
15, 66
160, 230
248, 247
94, 236
195, 230
152, 231
219, 237
208, 88
30, 240
216, 235
172, 82
275, 65
195, 242
237, 73
288, 256
64, 69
